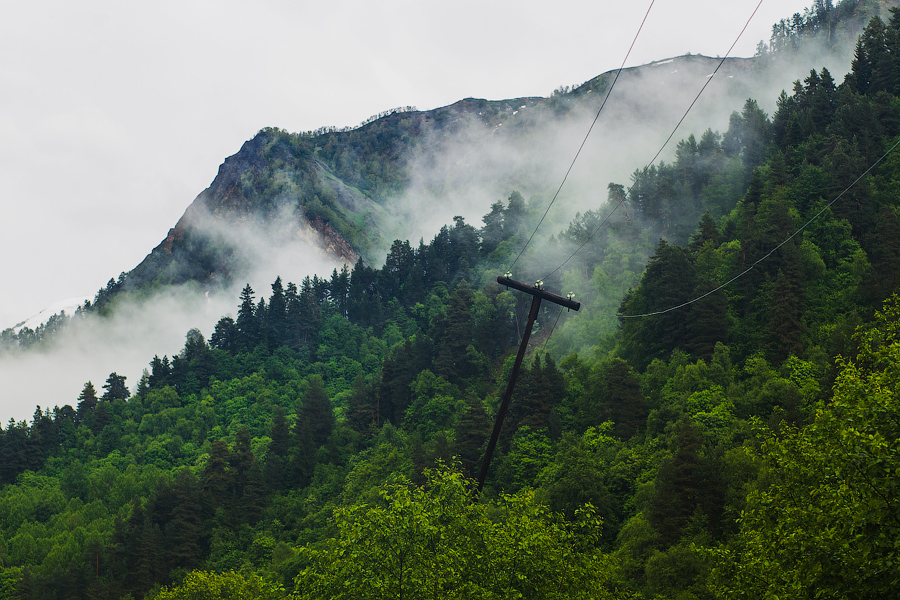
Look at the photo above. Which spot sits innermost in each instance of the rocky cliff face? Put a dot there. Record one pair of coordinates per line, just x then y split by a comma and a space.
260, 196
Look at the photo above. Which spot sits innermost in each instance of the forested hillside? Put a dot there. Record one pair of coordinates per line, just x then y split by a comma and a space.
320, 442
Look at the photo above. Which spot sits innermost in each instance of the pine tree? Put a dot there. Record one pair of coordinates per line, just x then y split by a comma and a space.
361, 413
677, 490
276, 316
455, 335
87, 401
316, 416
471, 435
115, 388
185, 526
621, 400
707, 320
248, 333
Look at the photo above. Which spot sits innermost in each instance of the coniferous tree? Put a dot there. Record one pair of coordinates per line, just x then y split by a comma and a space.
316, 416
225, 335
87, 402
618, 390
668, 282
115, 388
218, 477
362, 409
184, 529
707, 320
248, 334
454, 337
677, 490
471, 435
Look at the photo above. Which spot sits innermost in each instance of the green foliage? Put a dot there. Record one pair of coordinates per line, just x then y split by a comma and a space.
435, 542
203, 585
826, 519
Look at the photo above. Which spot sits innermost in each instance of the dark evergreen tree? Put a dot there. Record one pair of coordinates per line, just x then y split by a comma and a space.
707, 320
668, 282
471, 435
678, 485
454, 335
13, 458
115, 388
225, 335
362, 405
87, 402
339, 290
492, 232
399, 370
218, 477
615, 395
248, 330
316, 417
185, 528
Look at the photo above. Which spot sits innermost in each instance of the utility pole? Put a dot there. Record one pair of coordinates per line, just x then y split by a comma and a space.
538, 293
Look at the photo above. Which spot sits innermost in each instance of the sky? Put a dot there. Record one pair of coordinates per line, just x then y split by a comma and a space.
114, 115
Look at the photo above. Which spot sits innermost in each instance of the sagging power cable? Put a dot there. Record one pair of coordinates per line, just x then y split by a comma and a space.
770, 252
584, 141
665, 143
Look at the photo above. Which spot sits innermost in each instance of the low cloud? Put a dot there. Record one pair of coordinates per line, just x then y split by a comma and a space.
92, 347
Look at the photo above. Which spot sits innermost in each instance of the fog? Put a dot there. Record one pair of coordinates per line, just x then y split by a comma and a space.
529, 148
92, 347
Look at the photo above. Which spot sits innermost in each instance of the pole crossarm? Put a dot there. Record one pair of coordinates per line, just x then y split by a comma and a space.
537, 294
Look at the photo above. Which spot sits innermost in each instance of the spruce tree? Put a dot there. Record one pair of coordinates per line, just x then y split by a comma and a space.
87, 401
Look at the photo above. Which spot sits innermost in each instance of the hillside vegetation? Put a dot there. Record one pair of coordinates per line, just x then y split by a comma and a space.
321, 443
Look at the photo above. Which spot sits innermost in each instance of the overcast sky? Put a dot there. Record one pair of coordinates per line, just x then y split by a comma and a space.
115, 114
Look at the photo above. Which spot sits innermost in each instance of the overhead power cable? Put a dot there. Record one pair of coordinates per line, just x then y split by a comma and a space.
584, 141
665, 143
770, 252
708, 79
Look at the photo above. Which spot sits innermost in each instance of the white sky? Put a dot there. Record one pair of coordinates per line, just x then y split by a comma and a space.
115, 114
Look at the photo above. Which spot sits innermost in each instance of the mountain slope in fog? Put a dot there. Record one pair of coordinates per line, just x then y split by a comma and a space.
407, 173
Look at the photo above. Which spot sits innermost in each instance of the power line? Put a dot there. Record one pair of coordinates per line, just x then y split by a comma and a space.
708, 80
666, 143
584, 141
768, 254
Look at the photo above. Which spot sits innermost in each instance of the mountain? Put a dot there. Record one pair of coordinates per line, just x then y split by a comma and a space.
715, 421
405, 173
353, 192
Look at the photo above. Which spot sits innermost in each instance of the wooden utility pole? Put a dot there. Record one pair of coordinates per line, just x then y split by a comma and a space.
538, 293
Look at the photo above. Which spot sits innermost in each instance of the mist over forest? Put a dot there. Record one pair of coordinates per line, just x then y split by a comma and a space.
291, 395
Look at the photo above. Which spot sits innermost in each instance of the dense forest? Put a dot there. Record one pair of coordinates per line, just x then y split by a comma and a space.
321, 442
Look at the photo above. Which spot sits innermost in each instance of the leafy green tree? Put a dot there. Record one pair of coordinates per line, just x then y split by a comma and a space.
204, 585
434, 542
825, 519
